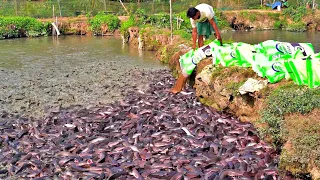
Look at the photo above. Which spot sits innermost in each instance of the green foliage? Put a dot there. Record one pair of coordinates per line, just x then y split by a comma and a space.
277, 25
280, 24
125, 25
251, 16
284, 100
141, 13
112, 21
166, 53
142, 17
221, 19
182, 33
185, 23
295, 13
11, 27
161, 20
300, 27
274, 16
244, 14
26, 8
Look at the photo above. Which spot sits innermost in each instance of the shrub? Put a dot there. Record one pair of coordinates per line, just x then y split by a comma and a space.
126, 25
295, 13
141, 15
11, 27
280, 24
161, 20
112, 21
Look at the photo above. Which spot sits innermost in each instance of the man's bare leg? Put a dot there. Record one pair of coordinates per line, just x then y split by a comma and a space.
181, 81
200, 41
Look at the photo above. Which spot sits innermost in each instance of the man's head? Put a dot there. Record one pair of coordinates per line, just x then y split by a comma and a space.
193, 13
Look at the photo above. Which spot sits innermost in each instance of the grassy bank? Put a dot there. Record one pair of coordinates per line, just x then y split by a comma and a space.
291, 19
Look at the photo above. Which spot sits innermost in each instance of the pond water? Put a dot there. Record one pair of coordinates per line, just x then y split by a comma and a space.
43, 74
46, 51
253, 37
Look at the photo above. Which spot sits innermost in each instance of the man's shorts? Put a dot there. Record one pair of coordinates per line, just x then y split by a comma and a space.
205, 28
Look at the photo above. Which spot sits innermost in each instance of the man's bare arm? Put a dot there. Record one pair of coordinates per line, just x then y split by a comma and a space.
194, 38
215, 27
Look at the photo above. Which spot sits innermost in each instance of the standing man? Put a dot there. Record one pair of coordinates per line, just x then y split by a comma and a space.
203, 23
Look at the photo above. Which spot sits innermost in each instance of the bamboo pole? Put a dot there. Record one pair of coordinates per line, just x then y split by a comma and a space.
105, 5
53, 29
313, 4
16, 7
171, 28
59, 7
124, 7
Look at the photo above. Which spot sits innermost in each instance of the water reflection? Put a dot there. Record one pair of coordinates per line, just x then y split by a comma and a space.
48, 52
253, 37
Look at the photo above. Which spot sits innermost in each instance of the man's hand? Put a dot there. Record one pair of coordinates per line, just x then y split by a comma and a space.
220, 39
215, 27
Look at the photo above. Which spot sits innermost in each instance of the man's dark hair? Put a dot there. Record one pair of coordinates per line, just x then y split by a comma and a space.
192, 12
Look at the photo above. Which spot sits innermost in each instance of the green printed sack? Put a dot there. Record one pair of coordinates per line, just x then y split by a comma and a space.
273, 70
314, 80
225, 55
271, 47
186, 64
189, 61
304, 71
244, 53
229, 55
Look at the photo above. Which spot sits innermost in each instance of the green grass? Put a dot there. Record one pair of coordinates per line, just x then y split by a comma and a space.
287, 99
297, 27
304, 136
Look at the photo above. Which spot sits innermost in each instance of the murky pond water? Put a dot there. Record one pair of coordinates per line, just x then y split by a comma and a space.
253, 37
48, 52
43, 74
